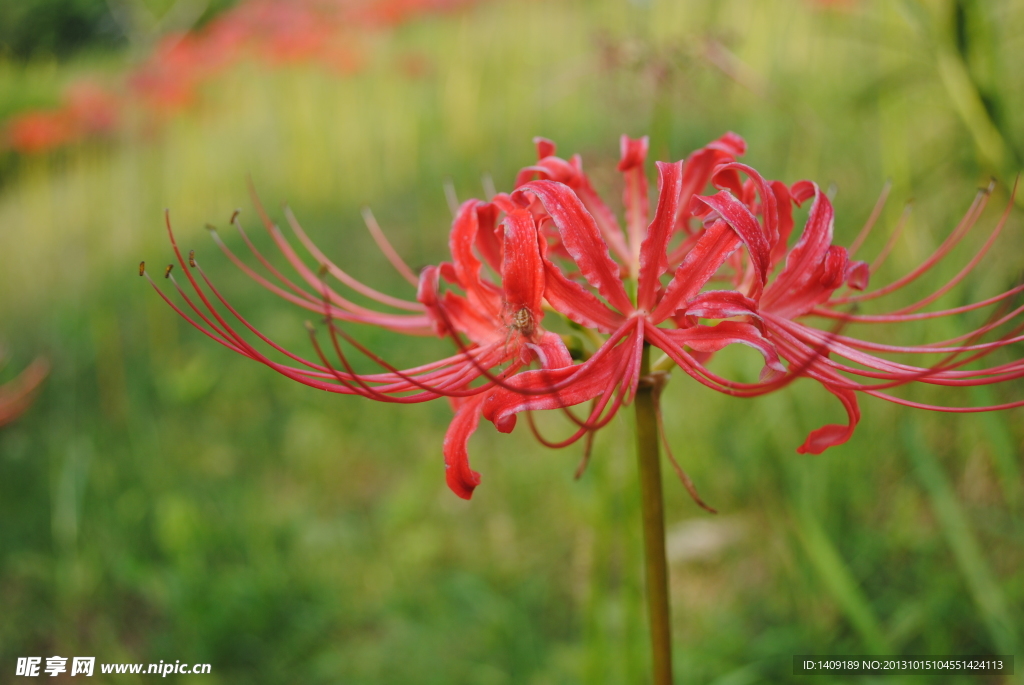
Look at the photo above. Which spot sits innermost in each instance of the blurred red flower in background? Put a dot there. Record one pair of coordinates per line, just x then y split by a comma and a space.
17, 395
87, 110
559, 249
329, 33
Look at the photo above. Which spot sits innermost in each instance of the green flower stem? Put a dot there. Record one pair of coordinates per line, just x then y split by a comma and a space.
653, 509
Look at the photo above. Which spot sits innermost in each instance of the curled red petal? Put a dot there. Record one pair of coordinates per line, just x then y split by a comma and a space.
545, 147
522, 272
426, 294
720, 304
550, 351
833, 434
549, 169
833, 272
653, 249
699, 265
632, 152
803, 261
570, 298
857, 275
460, 477
817, 288
488, 236
604, 216
461, 241
465, 318
768, 209
714, 338
582, 239
634, 195
698, 168
784, 206
741, 220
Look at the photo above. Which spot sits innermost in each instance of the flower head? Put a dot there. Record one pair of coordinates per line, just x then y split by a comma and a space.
710, 269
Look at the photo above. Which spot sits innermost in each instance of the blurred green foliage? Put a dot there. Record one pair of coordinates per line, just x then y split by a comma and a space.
42, 29
166, 499
55, 27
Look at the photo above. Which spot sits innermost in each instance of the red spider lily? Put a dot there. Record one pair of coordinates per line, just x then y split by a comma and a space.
551, 242
743, 239
17, 395
497, 328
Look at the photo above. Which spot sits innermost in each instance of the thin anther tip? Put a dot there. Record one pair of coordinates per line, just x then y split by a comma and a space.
211, 228
234, 215
167, 271
192, 258
310, 327
322, 271
142, 268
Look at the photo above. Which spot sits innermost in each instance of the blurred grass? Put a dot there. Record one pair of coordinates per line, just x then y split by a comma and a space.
166, 499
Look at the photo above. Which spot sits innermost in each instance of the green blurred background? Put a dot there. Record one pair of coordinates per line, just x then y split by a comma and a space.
167, 499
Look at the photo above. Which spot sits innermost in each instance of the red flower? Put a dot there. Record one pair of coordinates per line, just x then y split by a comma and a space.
552, 240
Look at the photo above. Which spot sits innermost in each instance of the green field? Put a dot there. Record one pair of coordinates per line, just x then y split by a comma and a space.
167, 499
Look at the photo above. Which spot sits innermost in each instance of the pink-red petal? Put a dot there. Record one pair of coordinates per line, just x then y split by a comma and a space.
654, 248
714, 338
582, 239
833, 434
699, 265
460, 477
522, 271
634, 195
739, 217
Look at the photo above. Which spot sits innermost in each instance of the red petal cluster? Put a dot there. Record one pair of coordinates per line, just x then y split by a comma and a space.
713, 267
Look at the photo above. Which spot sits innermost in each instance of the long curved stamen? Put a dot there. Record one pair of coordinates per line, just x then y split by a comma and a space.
438, 391
313, 279
872, 220
341, 275
704, 376
382, 242
965, 225
902, 318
